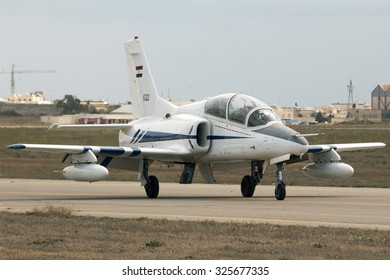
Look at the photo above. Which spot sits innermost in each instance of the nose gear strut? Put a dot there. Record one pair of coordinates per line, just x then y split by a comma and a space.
280, 186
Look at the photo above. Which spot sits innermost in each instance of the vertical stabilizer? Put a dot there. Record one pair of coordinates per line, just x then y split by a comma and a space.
144, 98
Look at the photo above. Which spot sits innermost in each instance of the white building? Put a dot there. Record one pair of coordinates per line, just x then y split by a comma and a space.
36, 97
98, 104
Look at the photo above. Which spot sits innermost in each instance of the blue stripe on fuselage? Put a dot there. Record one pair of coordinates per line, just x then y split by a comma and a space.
224, 137
135, 136
154, 136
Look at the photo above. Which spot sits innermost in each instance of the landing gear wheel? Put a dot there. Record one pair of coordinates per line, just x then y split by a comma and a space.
152, 187
247, 186
280, 191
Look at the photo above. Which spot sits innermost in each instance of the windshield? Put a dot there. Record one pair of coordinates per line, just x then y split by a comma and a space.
262, 117
236, 107
239, 107
216, 106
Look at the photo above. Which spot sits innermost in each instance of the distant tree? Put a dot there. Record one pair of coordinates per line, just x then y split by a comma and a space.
329, 118
91, 109
71, 105
320, 117
10, 114
112, 108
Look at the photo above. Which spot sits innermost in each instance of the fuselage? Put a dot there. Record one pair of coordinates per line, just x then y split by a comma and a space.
223, 128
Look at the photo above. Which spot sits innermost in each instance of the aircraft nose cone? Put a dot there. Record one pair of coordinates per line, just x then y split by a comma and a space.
281, 131
299, 139
299, 143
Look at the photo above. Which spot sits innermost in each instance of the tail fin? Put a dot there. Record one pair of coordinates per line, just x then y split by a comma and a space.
144, 98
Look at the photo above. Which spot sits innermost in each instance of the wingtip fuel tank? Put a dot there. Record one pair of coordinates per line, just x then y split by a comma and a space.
85, 172
325, 170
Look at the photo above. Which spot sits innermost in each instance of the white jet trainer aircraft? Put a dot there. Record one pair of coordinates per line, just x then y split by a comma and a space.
224, 131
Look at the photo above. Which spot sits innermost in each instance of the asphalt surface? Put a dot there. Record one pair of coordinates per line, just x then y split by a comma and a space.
311, 206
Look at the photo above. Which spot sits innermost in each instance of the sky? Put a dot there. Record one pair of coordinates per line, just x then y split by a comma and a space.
279, 51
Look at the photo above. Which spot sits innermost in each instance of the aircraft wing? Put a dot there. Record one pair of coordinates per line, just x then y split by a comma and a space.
344, 147
107, 151
89, 127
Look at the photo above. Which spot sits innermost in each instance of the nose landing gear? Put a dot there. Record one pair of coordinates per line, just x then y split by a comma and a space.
280, 186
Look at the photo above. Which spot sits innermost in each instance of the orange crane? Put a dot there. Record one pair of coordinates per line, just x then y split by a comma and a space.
13, 72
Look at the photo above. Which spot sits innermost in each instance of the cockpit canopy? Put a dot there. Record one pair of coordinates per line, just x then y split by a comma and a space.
241, 108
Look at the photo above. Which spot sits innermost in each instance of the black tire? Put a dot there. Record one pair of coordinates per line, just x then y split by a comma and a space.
248, 186
153, 187
280, 191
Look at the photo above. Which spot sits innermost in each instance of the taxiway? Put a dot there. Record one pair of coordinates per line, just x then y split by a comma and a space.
311, 206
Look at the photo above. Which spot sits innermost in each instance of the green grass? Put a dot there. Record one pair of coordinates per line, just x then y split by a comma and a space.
154, 243
52, 211
26, 236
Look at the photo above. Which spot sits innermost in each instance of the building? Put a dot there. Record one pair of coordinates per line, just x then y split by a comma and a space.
295, 115
380, 97
100, 105
36, 97
88, 119
334, 113
29, 104
356, 112
285, 113
380, 100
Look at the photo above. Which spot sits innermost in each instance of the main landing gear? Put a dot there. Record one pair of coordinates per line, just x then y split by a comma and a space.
151, 184
152, 187
249, 182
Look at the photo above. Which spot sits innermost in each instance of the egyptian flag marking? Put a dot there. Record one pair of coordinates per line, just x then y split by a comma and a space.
139, 69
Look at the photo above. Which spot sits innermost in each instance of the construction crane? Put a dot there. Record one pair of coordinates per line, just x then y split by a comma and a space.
351, 105
13, 72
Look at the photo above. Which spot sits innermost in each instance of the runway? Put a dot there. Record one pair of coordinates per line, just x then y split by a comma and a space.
311, 206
